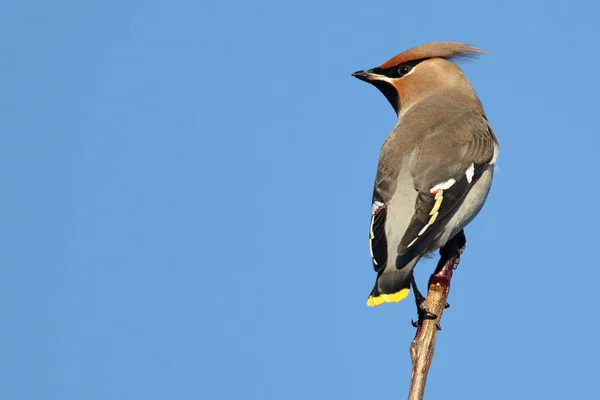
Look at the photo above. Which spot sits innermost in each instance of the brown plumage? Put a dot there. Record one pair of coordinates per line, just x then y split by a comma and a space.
448, 50
435, 167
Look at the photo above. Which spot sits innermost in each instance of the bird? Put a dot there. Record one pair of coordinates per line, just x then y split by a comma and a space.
435, 168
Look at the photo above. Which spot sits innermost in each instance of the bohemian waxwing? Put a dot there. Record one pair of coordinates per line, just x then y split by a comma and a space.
435, 167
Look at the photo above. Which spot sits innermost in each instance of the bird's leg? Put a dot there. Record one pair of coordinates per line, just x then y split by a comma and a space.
422, 309
419, 298
453, 249
449, 259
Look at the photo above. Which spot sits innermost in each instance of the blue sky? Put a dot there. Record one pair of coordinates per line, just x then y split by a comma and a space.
186, 197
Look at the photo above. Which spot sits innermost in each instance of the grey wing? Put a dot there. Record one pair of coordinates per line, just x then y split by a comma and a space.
377, 238
388, 168
445, 166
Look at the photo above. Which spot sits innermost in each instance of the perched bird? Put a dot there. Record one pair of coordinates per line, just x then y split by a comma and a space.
435, 167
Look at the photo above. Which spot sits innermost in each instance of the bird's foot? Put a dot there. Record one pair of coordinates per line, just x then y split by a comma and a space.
453, 257
461, 245
423, 313
419, 323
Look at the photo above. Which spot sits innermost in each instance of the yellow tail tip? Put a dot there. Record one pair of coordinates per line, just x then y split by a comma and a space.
387, 298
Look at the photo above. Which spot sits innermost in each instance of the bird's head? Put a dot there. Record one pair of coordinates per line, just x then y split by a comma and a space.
412, 75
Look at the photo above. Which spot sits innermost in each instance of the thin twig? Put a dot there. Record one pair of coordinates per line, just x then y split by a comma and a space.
421, 349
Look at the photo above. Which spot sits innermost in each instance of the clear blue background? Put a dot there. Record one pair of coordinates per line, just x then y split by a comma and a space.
186, 195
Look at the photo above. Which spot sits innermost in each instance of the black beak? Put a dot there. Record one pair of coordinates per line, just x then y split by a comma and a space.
366, 75
377, 78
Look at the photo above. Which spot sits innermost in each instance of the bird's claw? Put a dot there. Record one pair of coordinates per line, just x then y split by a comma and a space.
417, 324
447, 306
424, 310
456, 262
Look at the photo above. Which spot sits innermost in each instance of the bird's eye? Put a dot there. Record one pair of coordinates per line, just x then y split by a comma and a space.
403, 70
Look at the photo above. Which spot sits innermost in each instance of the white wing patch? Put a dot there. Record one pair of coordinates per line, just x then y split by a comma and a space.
371, 251
374, 208
376, 205
443, 186
470, 172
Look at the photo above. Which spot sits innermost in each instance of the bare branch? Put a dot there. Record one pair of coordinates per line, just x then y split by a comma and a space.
421, 349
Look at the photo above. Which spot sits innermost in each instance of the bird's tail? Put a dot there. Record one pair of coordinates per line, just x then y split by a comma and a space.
391, 286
